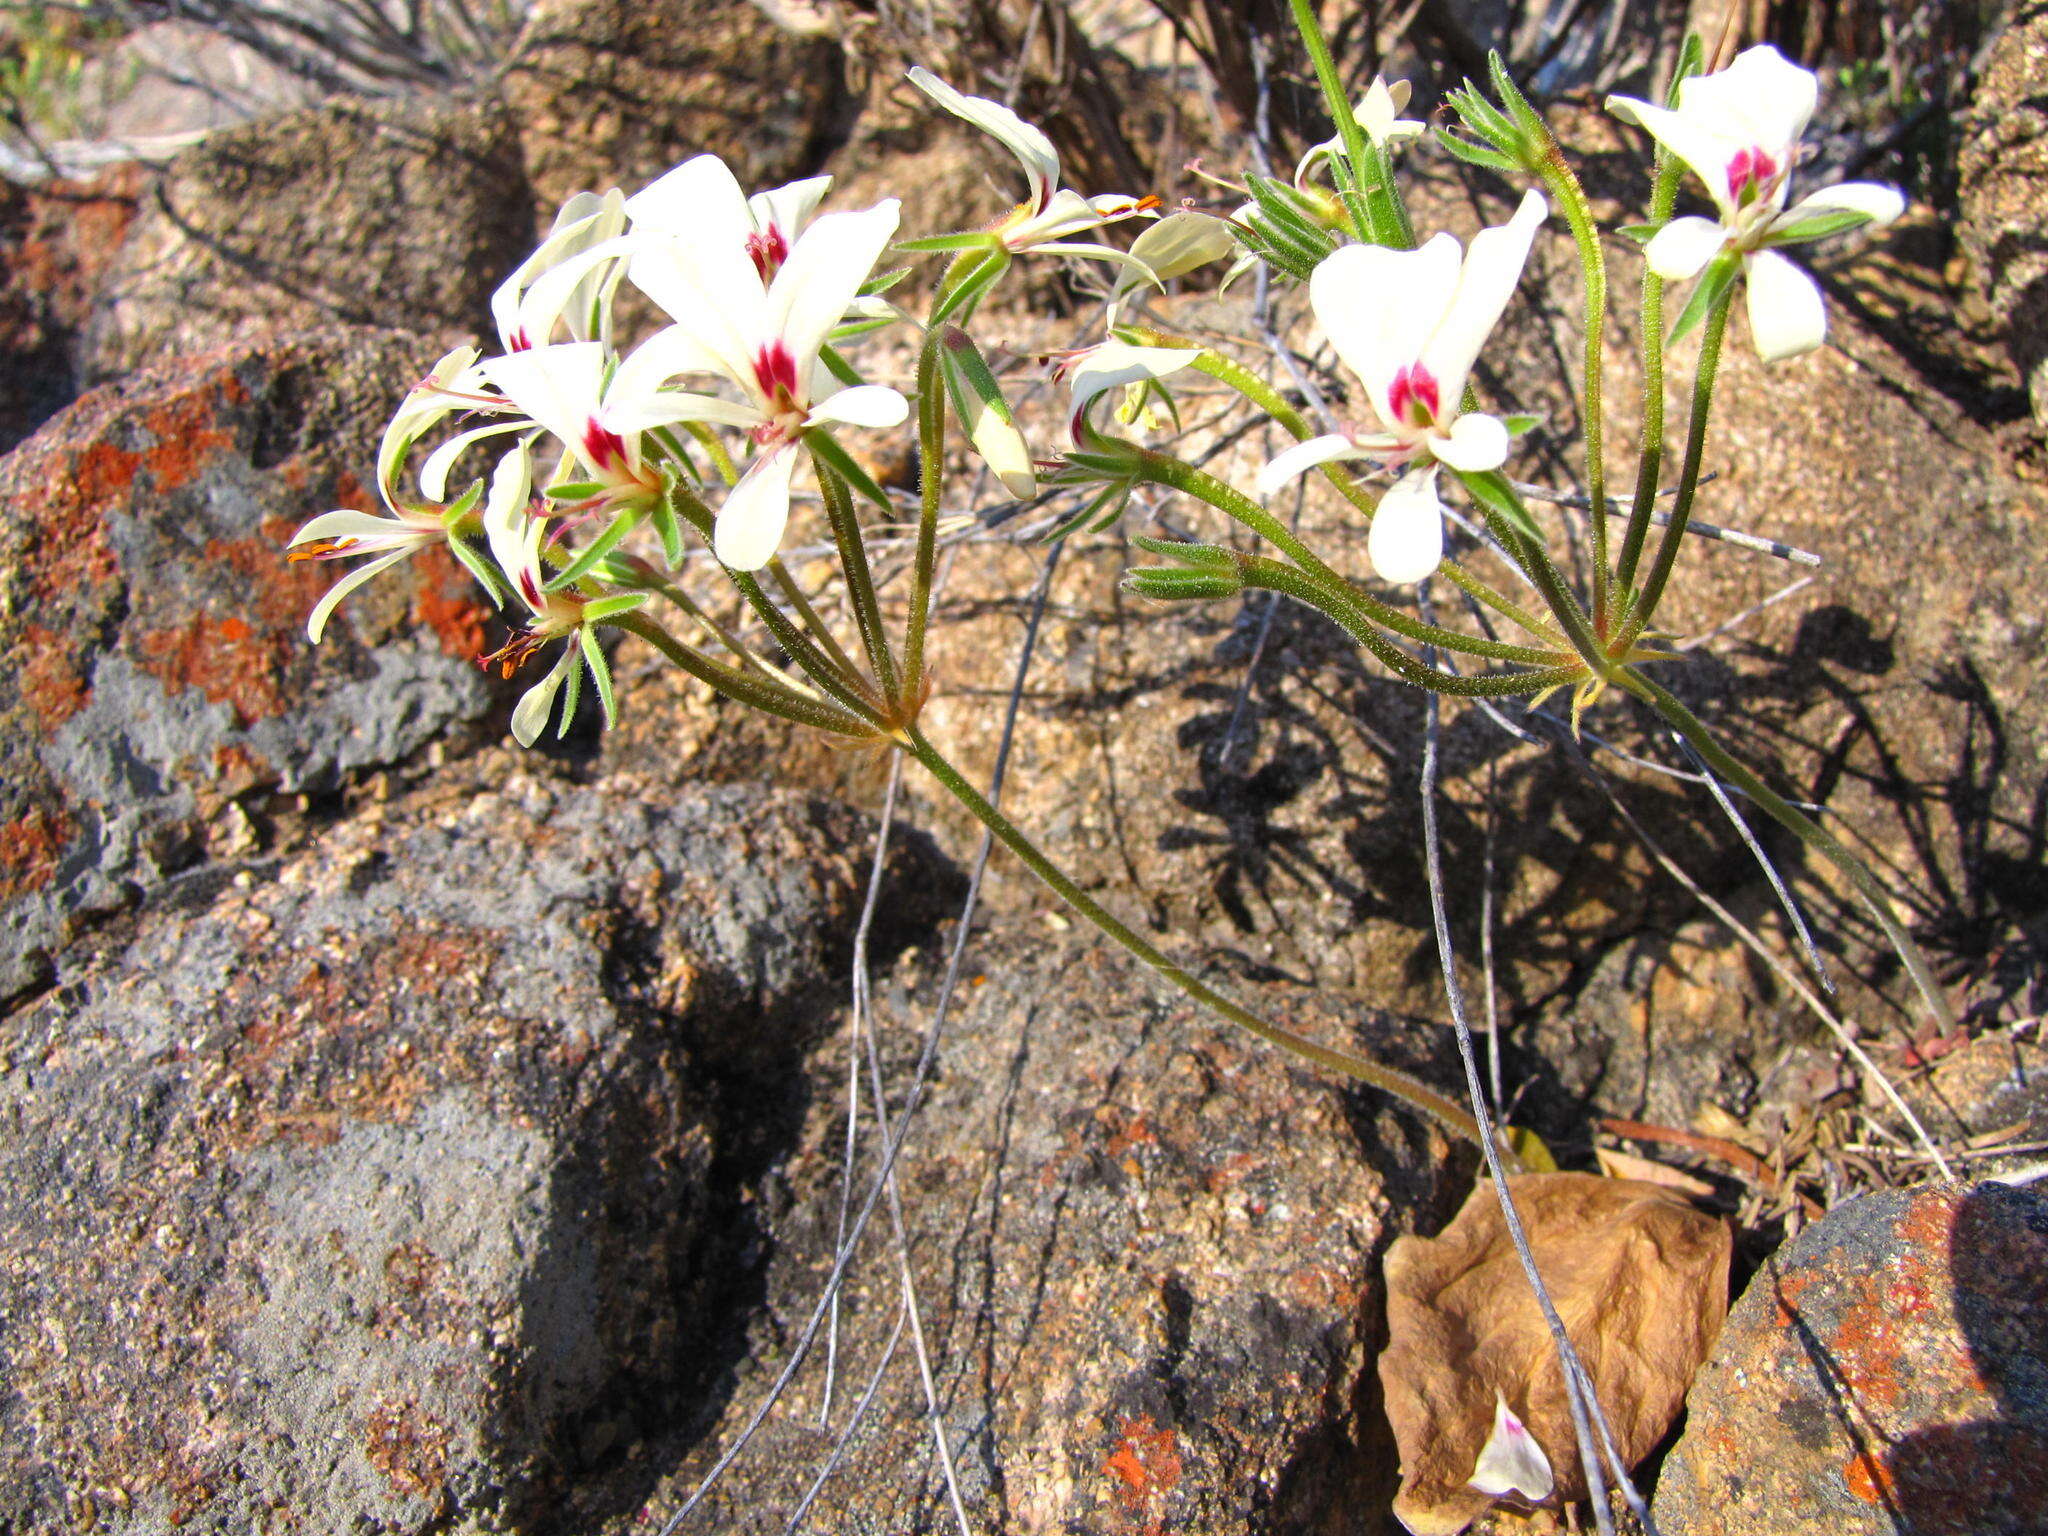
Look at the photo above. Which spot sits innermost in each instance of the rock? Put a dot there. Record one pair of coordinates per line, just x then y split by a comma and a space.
1886, 1372
1147, 1248
2003, 191
615, 92
162, 684
390, 213
56, 241
410, 1182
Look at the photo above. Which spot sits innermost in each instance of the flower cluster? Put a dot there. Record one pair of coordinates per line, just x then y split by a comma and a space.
705, 423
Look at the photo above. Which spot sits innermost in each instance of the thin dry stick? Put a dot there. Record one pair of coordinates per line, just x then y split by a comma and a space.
892, 1145
845, 1441
1778, 967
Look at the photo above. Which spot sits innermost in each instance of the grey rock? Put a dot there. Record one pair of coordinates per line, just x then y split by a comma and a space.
410, 1181
2003, 190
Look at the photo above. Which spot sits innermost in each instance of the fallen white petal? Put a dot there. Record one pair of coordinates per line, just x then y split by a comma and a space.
1511, 1461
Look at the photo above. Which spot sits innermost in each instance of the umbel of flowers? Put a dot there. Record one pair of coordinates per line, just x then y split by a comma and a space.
592, 481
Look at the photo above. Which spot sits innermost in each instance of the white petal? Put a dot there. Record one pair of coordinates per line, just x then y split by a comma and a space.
316, 622
1065, 213
1032, 148
1379, 112
750, 524
1115, 362
863, 405
1705, 145
1303, 457
1762, 99
1002, 446
1682, 247
566, 287
530, 715
1880, 204
1511, 1461
1486, 282
1786, 314
350, 524
434, 472
1178, 243
727, 323
513, 535
424, 405
670, 351
788, 208
824, 270
1406, 541
700, 198
1476, 443
556, 386
1379, 306
666, 407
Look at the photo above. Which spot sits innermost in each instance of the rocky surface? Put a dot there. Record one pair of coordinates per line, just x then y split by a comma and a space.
397, 213
1147, 1249
2004, 190
412, 1179
1884, 1373
163, 692
614, 92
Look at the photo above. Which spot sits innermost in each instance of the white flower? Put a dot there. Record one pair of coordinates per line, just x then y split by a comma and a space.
1511, 1461
1051, 213
1410, 325
1177, 244
1379, 113
1093, 371
701, 201
528, 307
347, 533
768, 342
1739, 131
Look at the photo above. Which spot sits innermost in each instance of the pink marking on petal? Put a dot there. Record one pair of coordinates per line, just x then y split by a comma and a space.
769, 251
1414, 397
605, 449
1749, 173
518, 341
775, 372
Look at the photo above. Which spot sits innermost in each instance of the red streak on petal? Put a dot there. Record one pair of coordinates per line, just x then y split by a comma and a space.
769, 251
604, 447
1751, 170
775, 372
1414, 398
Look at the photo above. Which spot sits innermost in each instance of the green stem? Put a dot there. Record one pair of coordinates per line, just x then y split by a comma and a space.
1593, 263
1389, 617
1641, 609
860, 581
814, 623
1275, 577
1389, 1080
1650, 469
768, 697
1802, 826
931, 448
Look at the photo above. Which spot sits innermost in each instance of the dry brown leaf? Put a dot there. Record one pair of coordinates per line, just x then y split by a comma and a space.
1641, 1280
1616, 1164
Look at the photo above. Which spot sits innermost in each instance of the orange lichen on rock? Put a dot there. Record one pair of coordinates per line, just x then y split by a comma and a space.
1147, 1466
30, 845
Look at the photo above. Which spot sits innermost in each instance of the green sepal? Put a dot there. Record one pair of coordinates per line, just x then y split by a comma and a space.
1472, 154
1104, 466
1178, 584
1817, 226
572, 695
974, 284
1642, 234
1205, 557
827, 448
485, 573
1692, 60
600, 673
1536, 132
1102, 510
1484, 119
1711, 290
882, 282
667, 524
967, 240
965, 367
853, 330
596, 550
600, 610
574, 490
1520, 425
1491, 490
463, 505
838, 366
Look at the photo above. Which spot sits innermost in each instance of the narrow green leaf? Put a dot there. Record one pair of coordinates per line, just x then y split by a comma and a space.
596, 549
600, 673
1472, 154
839, 367
572, 695
669, 527
1212, 557
1711, 289
1177, 584
574, 490
1492, 491
827, 448
882, 282
463, 505
603, 609
969, 240
485, 573
1817, 226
